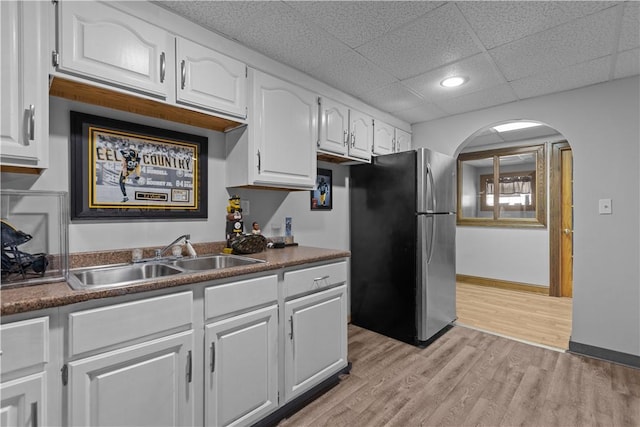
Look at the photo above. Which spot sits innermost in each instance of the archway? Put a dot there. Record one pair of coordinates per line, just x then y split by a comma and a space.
514, 255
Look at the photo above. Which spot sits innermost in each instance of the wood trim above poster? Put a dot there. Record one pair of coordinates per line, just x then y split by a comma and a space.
125, 170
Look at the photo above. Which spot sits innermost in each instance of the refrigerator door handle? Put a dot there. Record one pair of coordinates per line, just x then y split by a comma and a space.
433, 188
433, 234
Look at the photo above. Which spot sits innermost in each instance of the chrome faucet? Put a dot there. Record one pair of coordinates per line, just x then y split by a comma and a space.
187, 241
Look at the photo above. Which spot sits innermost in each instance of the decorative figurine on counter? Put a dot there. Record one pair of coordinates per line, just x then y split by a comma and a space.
255, 228
235, 225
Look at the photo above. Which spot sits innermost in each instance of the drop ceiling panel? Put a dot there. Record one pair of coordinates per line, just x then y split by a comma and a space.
392, 98
357, 22
630, 28
627, 64
478, 69
497, 23
421, 113
581, 40
436, 39
485, 98
353, 74
584, 74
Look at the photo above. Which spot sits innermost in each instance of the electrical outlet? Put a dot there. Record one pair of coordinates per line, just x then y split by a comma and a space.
604, 206
246, 207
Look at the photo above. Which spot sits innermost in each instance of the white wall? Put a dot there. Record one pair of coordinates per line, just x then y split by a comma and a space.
602, 126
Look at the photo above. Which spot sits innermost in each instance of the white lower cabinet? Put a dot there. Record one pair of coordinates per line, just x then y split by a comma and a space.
148, 384
241, 382
25, 355
131, 364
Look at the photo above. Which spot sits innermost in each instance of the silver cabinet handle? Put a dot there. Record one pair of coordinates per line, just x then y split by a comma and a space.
32, 122
346, 138
291, 323
183, 73
163, 67
259, 160
213, 356
317, 279
353, 139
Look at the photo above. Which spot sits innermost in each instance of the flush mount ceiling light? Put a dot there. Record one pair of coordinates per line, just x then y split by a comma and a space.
453, 81
515, 126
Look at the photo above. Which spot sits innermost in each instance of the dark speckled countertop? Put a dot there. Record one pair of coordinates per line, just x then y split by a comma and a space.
38, 297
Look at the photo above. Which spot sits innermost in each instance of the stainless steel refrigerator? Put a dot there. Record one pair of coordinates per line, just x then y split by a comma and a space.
403, 225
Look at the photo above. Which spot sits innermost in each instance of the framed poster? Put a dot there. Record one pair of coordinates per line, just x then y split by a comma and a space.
322, 193
125, 170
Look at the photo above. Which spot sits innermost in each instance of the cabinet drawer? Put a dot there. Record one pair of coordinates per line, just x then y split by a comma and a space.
236, 296
314, 278
24, 344
119, 324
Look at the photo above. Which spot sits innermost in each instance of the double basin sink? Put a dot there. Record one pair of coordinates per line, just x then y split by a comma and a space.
129, 274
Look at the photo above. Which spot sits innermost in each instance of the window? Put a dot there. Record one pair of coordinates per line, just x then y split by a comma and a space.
519, 197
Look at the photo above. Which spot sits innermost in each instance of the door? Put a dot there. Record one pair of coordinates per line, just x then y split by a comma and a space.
100, 42
24, 117
383, 138
241, 380
315, 339
561, 221
436, 289
334, 126
23, 402
566, 209
209, 79
403, 140
361, 137
148, 384
284, 133
436, 182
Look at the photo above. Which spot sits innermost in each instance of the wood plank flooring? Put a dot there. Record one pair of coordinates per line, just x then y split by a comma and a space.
523, 315
471, 378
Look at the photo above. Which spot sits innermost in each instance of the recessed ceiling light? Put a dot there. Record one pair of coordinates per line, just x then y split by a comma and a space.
453, 81
515, 126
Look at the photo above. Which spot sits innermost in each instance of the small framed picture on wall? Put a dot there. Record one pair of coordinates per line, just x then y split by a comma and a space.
322, 193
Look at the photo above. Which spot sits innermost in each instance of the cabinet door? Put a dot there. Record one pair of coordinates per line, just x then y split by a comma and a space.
383, 138
210, 80
23, 402
241, 384
361, 135
24, 116
334, 126
103, 43
316, 339
284, 132
403, 140
148, 384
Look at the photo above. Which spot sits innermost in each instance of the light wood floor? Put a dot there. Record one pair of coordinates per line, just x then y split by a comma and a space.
471, 378
523, 315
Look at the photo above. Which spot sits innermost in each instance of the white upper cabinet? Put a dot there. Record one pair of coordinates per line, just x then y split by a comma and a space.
210, 80
102, 43
403, 140
361, 134
334, 127
383, 138
24, 116
278, 149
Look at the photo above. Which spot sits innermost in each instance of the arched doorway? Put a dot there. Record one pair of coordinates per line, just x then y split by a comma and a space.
521, 254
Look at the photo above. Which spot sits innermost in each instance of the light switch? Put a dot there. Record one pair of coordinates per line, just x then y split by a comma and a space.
604, 207
246, 207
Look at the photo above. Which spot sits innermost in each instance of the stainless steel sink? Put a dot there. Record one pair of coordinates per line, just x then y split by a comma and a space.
113, 276
214, 262
127, 274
